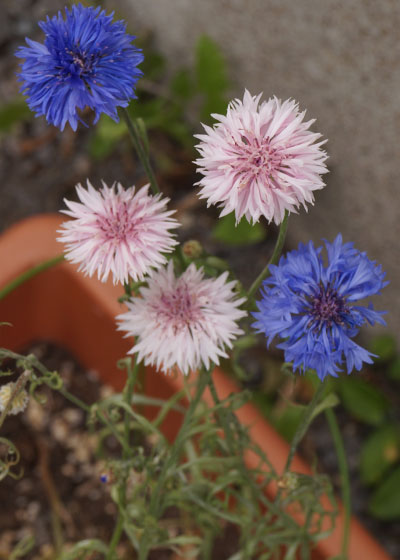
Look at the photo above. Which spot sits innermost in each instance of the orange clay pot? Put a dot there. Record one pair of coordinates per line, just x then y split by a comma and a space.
78, 313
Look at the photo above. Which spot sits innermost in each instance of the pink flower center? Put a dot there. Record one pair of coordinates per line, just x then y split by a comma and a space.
117, 224
256, 157
180, 308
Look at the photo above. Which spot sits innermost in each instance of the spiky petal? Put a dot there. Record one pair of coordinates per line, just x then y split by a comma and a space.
312, 307
118, 232
86, 60
185, 322
260, 159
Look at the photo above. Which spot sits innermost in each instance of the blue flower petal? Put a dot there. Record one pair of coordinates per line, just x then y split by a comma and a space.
309, 305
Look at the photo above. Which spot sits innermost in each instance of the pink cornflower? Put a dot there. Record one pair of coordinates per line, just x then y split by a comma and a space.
260, 159
117, 232
185, 322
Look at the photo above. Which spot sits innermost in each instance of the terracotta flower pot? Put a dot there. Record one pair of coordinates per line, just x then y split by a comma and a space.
78, 313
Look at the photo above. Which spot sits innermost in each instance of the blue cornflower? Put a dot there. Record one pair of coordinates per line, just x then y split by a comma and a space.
87, 60
312, 307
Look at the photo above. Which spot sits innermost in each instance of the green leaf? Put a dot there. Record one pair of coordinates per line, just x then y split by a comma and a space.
12, 113
289, 420
394, 369
211, 77
329, 401
87, 545
105, 138
153, 65
24, 546
243, 233
384, 346
182, 85
379, 452
363, 401
385, 502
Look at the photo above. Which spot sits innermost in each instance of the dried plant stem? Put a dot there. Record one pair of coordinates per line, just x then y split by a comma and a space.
19, 385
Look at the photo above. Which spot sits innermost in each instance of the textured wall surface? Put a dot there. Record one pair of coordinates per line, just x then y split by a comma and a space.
341, 61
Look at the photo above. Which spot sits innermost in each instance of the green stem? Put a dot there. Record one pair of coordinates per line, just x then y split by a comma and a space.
304, 423
115, 538
30, 273
274, 259
344, 477
177, 445
135, 136
128, 394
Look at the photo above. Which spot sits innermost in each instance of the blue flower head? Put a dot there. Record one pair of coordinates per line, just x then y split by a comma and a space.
87, 60
312, 306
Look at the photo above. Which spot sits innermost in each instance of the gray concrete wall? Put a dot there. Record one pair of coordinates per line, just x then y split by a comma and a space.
341, 61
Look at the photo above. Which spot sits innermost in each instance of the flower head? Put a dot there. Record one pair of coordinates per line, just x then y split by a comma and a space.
118, 231
19, 402
183, 322
313, 308
87, 60
260, 159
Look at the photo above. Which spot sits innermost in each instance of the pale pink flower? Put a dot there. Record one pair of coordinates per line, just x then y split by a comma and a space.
185, 322
118, 232
260, 159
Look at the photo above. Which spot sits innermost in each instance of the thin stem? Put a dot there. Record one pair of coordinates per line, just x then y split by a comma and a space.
274, 259
344, 477
115, 538
177, 445
304, 423
74, 399
99, 415
135, 137
30, 273
127, 395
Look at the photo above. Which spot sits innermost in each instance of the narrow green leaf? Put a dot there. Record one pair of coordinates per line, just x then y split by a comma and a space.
379, 452
394, 369
211, 77
385, 502
210, 67
384, 346
88, 545
105, 137
363, 401
12, 113
243, 233
182, 85
289, 420
329, 401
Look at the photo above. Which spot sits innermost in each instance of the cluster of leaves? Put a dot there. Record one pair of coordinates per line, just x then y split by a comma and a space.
379, 464
179, 496
380, 453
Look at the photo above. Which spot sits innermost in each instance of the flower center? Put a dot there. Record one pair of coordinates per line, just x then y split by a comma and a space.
83, 62
180, 308
255, 158
117, 225
327, 307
